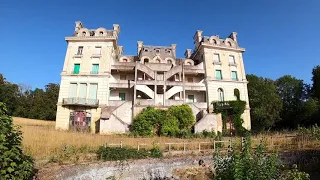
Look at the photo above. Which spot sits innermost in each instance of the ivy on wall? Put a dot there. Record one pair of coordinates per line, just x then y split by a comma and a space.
232, 111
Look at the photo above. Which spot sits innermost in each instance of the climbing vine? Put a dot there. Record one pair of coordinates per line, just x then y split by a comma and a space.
231, 111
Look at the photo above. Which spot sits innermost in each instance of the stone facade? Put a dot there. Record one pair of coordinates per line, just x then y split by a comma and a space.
102, 89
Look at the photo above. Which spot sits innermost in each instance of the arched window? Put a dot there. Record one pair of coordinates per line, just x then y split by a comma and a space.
229, 43
169, 62
220, 95
188, 63
237, 93
125, 60
158, 61
84, 33
146, 60
101, 33
214, 41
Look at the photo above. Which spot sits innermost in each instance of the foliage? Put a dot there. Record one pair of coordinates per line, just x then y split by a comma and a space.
265, 103
184, 115
316, 82
236, 93
294, 174
23, 102
295, 97
253, 164
233, 110
313, 132
153, 121
13, 163
170, 126
116, 153
148, 122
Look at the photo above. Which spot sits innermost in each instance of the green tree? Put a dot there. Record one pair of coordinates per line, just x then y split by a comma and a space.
13, 163
316, 82
265, 103
298, 107
8, 95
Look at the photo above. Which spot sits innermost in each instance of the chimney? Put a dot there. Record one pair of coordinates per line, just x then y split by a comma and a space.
140, 45
116, 27
120, 50
173, 47
78, 26
198, 36
233, 36
187, 54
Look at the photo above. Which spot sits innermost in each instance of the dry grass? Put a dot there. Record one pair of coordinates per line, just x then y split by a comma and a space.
42, 141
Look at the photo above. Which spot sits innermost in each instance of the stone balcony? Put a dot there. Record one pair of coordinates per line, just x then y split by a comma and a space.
76, 101
123, 66
121, 84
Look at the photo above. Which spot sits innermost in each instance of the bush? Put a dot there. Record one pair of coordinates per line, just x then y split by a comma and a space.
252, 165
170, 123
13, 163
116, 153
313, 132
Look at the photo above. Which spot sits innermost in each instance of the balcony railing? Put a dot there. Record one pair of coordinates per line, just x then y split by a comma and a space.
80, 102
221, 105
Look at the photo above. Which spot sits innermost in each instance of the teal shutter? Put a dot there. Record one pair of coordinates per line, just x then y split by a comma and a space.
234, 75
93, 93
73, 90
76, 69
122, 96
191, 98
95, 68
218, 74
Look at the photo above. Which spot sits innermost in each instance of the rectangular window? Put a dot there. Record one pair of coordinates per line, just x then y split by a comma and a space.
80, 50
95, 69
122, 96
234, 75
123, 77
232, 60
93, 93
216, 58
98, 51
191, 98
76, 69
218, 74
82, 93
73, 90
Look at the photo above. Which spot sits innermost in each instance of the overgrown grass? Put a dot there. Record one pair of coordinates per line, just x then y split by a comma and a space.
117, 153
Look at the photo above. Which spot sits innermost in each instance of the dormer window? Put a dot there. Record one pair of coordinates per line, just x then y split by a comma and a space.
125, 60
84, 33
146, 60
157, 51
101, 33
229, 43
169, 62
145, 50
158, 60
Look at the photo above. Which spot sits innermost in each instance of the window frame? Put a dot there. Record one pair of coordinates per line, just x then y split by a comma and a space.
236, 78
124, 96
218, 70
80, 51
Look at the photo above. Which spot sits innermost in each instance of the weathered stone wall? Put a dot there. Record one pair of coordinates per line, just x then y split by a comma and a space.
129, 170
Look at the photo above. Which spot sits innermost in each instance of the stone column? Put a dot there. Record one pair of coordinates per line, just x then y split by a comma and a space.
155, 88
183, 81
135, 84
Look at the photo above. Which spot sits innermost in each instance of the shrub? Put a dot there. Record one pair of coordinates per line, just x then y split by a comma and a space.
117, 153
148, 122
170, 126
250, 165
13, 163
313, 132
294, 174
184, 115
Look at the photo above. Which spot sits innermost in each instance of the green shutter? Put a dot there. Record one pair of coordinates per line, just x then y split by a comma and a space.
191, 98
122, 96
218, 74
234, 75
76, 68
95, 69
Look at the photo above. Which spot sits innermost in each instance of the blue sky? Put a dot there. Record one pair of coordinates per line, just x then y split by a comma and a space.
280, 36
